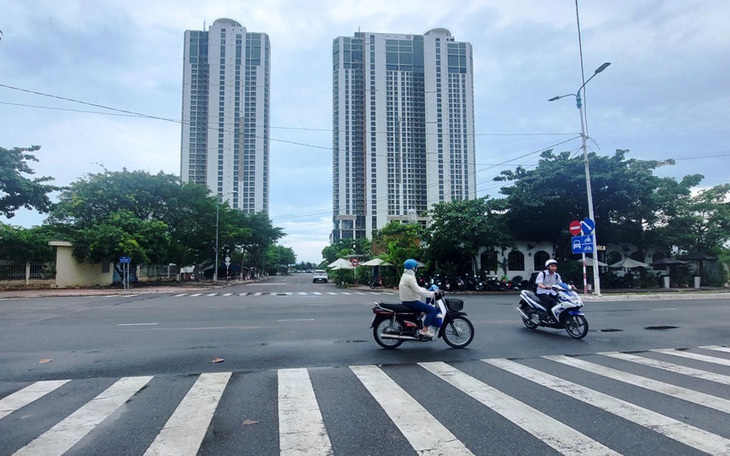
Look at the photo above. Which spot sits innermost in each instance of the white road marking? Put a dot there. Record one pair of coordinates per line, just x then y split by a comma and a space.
552, 432
717, 347
27, 395
424, 432
677, 430
137, 324
688, 395
195, 295
301, 427
676, 368
61, 437
695, 356
184, 431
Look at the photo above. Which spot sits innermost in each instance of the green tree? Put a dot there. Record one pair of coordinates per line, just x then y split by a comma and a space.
460, 230
17, 189
396, 242
26, 245
700, 222
629, 200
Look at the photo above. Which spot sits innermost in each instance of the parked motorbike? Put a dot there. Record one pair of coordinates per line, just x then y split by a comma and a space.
394, 324
565, 314
377, 282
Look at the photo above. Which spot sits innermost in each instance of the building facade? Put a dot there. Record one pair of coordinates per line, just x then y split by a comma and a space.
225, 114
403, 128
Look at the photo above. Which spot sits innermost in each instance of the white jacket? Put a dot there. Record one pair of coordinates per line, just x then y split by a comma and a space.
408, 288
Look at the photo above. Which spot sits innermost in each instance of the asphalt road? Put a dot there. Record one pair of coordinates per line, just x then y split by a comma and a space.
292, 366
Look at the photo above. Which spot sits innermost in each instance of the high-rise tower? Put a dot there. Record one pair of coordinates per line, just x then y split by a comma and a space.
225, 114
403, 123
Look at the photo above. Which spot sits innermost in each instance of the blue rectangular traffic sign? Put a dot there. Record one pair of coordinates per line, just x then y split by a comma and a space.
582, 244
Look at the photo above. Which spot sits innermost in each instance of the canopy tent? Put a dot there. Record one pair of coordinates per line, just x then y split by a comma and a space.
376, 262
629, 263
340, 263
666, 262
589, 262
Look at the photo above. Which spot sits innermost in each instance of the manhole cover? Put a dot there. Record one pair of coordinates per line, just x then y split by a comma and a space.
661, 327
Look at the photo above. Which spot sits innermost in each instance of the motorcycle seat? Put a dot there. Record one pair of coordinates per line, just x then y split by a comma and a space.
400, 308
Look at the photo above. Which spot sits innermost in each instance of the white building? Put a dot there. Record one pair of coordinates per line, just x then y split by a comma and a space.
225, 114
403, 123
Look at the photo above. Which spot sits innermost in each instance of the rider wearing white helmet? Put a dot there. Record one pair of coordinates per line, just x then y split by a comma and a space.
545, 280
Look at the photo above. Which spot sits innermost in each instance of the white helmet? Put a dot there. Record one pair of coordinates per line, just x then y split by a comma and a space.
549, 262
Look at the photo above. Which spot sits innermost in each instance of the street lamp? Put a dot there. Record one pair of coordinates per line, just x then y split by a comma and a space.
579, 105
218, 201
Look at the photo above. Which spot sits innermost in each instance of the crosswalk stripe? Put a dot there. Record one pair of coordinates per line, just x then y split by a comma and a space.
301, 427
695, 356
227, 294
211, 294
180, 295
671, 367
552, 432
676, 430
61, 437
27, 395
688, 395
317, 293
332, 293
424, 432
258, 293
195, 295
717, 348
184, 431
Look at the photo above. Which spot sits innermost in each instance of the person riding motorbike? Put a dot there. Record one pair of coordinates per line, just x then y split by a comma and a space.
410, 294
545, 280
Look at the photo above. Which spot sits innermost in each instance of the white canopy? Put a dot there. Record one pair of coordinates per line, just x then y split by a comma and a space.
589, 262
376, 262
629, 263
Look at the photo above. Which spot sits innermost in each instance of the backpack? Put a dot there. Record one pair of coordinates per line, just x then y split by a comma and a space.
534, 284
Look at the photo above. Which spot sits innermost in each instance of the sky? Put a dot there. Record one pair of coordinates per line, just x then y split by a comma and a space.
665, 95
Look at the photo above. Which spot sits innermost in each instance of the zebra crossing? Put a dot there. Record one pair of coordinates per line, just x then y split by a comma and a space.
283, 293
663, 401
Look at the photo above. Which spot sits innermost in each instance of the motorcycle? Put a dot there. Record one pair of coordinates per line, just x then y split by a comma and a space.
394, 324
565, 314
377, 282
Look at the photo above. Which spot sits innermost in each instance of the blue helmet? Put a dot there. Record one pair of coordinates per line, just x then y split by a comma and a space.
410, 264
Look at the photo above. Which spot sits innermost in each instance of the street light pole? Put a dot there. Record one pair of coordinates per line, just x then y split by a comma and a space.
589, 191
218, 202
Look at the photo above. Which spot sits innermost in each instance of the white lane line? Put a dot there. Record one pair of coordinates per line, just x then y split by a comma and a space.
552, 432
195, 295
184, 431
212, 294
317, 293
258, 293
671, 367
227, 294
243, 294
346, 293
695, 356
717, 348
674, 429
180, 295
137, 324
302, 293
301, 428
331, 293
297, 319
61, 437
679, 392
424, 432
25, 396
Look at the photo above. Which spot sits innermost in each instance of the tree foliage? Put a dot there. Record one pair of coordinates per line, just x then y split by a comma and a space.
157, 219
17, 189
460, 230
629, 201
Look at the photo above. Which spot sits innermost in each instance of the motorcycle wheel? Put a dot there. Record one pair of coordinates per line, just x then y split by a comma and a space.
458, 333
384, 326
576, 326
530, 323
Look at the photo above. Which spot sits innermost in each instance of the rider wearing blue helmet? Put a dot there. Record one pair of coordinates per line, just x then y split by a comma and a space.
410, 294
